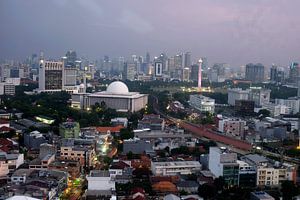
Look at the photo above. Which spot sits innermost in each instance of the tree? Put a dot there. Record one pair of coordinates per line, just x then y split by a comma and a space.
289, 190
207, 191
264, 113
129, 155
219, 183
126, 134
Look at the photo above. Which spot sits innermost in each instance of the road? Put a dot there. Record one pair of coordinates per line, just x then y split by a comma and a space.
234, 144
202, 131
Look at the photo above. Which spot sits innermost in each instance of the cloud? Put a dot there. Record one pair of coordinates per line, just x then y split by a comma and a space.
135, 22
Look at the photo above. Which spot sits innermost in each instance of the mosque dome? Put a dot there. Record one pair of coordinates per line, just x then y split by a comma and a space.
117, 87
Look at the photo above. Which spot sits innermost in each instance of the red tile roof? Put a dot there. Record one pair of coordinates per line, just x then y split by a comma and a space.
112, 129
5, 129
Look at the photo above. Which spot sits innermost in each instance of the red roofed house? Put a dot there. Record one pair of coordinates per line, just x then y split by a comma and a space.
110, 129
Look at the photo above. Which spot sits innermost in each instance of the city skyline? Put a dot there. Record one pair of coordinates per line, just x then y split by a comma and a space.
235, 32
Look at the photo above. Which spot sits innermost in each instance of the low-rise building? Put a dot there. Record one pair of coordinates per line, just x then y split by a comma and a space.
42, 162
190, 187
10, 162
69, 129
7, 89
202, 103
78, 150
277, 109
41, 184
170, 168
152, 121
72, 167
232, 127
137, 146
247, 174
261, 195
100, 185
34, 139
293, 103
123, 121
270, 174
222, 162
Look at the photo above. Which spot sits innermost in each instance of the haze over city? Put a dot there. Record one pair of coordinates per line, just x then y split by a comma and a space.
149, 100
232, 31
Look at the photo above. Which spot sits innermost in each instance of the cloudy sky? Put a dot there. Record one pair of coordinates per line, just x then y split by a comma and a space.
232, 31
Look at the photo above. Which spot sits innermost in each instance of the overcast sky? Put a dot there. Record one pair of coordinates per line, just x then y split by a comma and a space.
232, 31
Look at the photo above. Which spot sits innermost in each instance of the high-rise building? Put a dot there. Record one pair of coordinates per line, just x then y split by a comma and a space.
294, 72
187, 59
194, 72
178, 66
148, 58
51, 75
158, 69
71, 58
255, 73
186, 74
204, 63
129, 71
276, 74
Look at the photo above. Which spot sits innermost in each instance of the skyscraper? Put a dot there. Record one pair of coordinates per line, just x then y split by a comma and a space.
148, 58
158, 68
194, 72
50, 75
294, 72
255, 73
276, 74
71, 58
129, 71
187, 59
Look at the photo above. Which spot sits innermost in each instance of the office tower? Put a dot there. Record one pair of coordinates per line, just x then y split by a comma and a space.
273, 73
255, 73
178, 67
187, 59
276, 74
71, 58
148, 58
204, 63
158, 66
171, 66
194, 72
294, 72
129, 71
186, 74
164, 60
50, 75
199, 74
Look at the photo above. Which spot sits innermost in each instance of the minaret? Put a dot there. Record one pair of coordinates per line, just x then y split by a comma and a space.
200, 75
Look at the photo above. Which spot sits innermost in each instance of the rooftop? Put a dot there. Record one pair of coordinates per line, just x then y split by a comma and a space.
176, 163
99, 173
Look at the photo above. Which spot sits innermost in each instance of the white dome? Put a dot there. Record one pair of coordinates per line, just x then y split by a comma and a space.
117, 87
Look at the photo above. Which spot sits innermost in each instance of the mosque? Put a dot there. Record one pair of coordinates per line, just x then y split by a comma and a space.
116, 96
